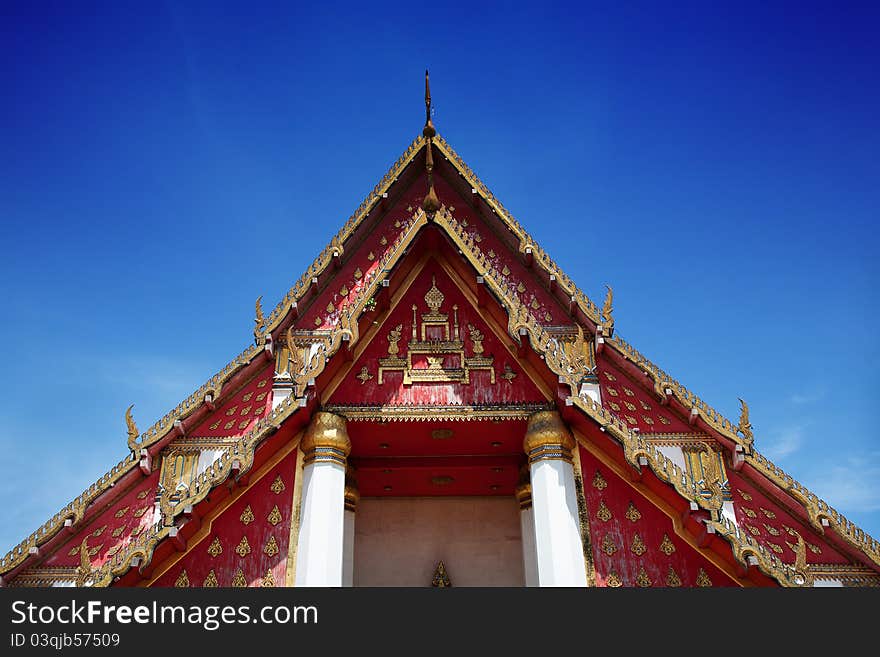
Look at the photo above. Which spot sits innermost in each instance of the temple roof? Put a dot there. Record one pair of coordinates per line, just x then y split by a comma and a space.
662, 398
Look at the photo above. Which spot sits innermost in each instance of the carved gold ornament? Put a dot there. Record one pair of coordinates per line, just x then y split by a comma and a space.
364, 375
604, 513
628, 392
441, 577
613, 580
274, 516
277, 486
754, 530
247, 516
268, 580
771, 529
140, 512
133, 432
632, 513
599, 482
84, 570
210, 580
358, 274
99, 530
215, 548
672, 578
121, 512
271, 548
508, 375
744, 428
614, 407
244, 548
749, 513
371, 256
505, 271
607, 310
239, 581
182, 580
744, 495
642, 579
259, 322
767, 513
608, 546
638, 546
703, 579
611, 391
667, 547
142, 494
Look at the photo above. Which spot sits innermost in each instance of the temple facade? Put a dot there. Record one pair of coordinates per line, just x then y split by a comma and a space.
435, 403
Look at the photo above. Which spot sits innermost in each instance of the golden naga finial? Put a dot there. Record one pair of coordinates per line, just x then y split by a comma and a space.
259, 321
745, 427
85, 563
607, 308
133, 432
431, 203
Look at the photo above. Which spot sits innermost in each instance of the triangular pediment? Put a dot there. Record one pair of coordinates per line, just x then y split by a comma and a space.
533, 318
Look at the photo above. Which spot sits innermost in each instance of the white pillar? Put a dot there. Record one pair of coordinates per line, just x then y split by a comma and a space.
352, 496
527, 527
558, 546
325, 445
282, 388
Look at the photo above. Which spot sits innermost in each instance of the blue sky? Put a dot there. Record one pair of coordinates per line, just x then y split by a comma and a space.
162, 165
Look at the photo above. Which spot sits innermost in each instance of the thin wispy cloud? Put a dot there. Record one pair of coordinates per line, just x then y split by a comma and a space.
784, 443
851, 483
806, 397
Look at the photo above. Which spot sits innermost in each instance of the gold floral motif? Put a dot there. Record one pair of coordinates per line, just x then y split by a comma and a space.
767, 512
210, 580
214, 426
647, 419
247, 397
261, 397
268, 580
608, 546
645, 405
478, 238
231, 411
744, 495
776, 548
182, 580
754, 530
632, 513
358, 274
73, 551
142, 494
317, 321
371, 256
628, 392
535, 304
609, 376
672, 578
274, 516
614, 407
750, 513
520, 288
505, 271
604, 513
638, 546
508, 375
364, 375
663, 419
703, 579
215, 548
815, 549
271, 548
629, 405
229, 424
121, 512
99, 530
140, 512
243, 424
773, 531
642, 579
246, 410
262, 384
247, 516
94, 550
548, 317
613, 580
330, 308
491, 253
137, 530
667, 547
631, 419
239, 581
277, 486
343, 292
113, 550
599, 482
383, 241
611, 391
244, 548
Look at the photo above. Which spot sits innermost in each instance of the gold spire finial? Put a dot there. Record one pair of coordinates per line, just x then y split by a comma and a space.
133, 432
607, 309
431, 203
259, 321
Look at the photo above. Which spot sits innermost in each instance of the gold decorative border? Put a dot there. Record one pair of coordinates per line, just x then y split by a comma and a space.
429, 413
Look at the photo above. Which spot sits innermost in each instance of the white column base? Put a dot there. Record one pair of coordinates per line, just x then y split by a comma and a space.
560, 556
319, 559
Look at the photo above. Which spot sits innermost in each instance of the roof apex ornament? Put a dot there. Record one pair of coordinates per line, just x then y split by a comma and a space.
259, 321
431, 203
745, 427
133, 432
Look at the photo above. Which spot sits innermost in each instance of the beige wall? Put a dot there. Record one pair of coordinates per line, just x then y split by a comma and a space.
398, 541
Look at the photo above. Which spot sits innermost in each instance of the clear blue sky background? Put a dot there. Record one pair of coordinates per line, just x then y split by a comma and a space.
162, 165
